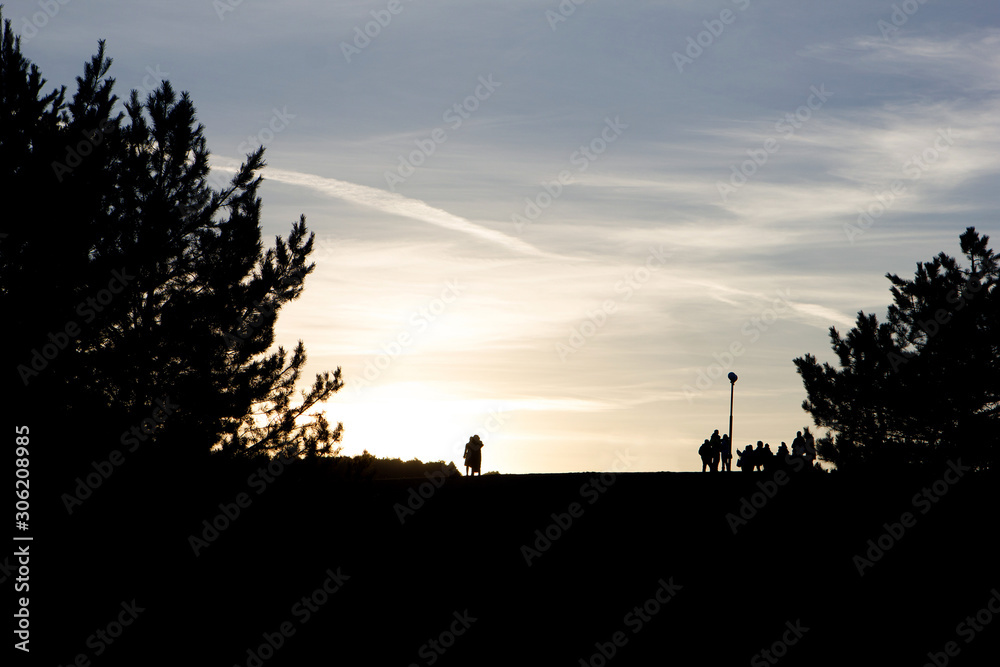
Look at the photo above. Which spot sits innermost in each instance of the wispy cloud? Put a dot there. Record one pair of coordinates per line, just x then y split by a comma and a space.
968, 61
392, 203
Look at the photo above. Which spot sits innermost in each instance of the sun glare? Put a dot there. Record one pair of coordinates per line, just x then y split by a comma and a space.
410, 420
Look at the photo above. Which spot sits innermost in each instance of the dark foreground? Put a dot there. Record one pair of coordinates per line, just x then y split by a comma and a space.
640, 568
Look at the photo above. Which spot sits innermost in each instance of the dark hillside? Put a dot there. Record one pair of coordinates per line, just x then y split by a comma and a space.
461, 553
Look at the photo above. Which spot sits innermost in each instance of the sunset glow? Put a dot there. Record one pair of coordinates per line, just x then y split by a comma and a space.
570, 224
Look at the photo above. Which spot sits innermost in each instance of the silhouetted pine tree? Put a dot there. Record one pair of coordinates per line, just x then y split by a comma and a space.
925, 384
132, 283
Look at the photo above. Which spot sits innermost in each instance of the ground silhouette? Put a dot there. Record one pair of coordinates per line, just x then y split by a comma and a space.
550, 567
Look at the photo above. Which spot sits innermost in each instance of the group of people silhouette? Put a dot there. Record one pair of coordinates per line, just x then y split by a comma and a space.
473, 455
717, 450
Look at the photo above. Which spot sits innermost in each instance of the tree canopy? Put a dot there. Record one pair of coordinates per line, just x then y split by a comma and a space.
133, 284
924, 385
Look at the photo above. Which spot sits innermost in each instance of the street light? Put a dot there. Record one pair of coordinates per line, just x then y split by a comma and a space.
732, 389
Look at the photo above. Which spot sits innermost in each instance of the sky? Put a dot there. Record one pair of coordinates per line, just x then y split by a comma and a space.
560, 225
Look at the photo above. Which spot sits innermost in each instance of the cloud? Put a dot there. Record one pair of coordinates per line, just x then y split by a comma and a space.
967, 61
392, 203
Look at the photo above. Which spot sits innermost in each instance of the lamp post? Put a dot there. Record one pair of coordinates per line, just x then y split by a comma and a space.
732, 389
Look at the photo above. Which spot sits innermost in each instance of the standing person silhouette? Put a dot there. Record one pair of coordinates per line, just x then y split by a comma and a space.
705, 452
716, 450
810, 448
798, 445
474, 455
767, 458
782, 456
758, 456
726, 452
745, 461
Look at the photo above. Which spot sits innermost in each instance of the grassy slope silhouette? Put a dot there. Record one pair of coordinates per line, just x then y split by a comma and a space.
460, 554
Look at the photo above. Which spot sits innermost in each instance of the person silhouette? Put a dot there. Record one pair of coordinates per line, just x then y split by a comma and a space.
716, 450
474, 455
810, 448
744, 459
705, 451
726, 453
758, 456
798, 445
767, 458
782, 456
